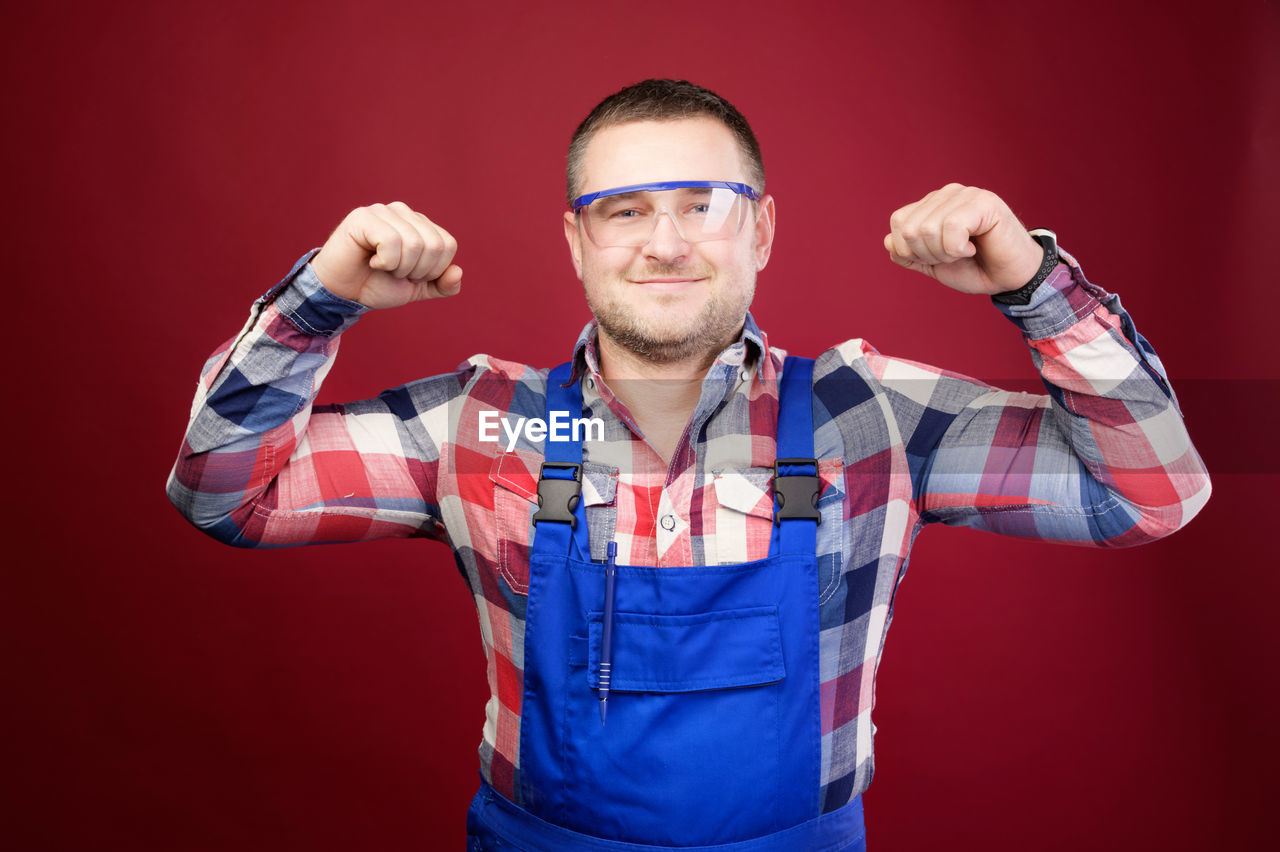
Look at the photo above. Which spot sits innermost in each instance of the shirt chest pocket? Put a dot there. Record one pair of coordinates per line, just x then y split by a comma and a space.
515, 500
743, 515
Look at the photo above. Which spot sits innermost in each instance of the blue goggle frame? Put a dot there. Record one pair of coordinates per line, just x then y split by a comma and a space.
740, 188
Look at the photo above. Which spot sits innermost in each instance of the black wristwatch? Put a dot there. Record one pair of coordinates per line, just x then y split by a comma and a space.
1048, 241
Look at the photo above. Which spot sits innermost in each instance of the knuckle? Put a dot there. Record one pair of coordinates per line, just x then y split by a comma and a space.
431, 241
414, 245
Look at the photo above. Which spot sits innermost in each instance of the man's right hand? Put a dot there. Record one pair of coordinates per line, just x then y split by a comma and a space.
387, 255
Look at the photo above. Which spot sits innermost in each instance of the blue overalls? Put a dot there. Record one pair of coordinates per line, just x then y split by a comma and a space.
714, 730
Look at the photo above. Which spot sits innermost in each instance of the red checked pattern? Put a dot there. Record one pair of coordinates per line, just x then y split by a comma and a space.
1103, 459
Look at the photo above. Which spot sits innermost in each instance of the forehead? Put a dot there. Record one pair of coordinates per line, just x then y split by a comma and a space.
648, 151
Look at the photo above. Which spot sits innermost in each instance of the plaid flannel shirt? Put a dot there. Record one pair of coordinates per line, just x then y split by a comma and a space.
1103, 459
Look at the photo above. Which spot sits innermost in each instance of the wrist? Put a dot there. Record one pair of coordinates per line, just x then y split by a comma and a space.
1021, 296
311, 307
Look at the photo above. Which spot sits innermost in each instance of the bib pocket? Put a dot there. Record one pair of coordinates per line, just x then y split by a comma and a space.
694, 719
689, 653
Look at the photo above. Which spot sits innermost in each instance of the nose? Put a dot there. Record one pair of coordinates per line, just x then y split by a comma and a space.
666, 242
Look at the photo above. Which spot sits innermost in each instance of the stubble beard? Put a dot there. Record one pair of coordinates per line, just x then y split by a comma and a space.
704, 336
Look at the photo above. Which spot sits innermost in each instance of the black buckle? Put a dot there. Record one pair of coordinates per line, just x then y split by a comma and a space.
557, 498
797, 493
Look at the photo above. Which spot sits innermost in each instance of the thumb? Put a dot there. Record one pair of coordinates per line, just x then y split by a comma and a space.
448, 284
902, 260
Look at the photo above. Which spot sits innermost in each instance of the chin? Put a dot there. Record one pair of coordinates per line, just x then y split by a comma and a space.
660, 340
669, 327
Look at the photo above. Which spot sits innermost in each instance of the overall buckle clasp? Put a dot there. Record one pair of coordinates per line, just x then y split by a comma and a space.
558, 496
796, 493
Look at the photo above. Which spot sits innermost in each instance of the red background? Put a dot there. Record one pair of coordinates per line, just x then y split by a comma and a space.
169, 162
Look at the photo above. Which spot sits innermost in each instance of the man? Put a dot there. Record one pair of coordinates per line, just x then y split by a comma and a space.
710, 553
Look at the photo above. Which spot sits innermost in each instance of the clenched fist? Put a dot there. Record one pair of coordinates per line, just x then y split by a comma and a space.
387, 255
966, 238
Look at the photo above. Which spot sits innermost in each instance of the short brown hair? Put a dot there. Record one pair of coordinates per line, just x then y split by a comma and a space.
663, 100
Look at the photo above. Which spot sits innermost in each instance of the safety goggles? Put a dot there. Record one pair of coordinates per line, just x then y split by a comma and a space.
700, 210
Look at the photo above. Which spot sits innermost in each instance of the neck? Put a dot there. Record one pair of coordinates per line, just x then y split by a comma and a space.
661, 396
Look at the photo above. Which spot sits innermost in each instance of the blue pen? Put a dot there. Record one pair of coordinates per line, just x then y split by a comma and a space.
606, 639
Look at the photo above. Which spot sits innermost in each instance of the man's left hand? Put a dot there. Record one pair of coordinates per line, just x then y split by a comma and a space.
965, 237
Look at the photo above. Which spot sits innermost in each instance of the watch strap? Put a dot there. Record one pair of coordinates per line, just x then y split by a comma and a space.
1048, 241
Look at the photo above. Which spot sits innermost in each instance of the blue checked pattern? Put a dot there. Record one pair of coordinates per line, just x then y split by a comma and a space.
1103, 459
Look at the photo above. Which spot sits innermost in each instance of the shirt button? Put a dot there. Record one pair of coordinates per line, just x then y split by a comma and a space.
591, 383
668, 522
743, 374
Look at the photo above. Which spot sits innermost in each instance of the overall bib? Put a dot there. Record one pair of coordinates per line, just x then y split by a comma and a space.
714, 732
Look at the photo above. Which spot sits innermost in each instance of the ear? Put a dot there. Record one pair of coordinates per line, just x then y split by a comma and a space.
764, 231
574, 237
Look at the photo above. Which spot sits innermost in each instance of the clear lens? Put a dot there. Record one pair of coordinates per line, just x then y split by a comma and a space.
698, 213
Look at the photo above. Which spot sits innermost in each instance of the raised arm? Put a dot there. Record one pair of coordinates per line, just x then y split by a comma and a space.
1103, 459
259, 465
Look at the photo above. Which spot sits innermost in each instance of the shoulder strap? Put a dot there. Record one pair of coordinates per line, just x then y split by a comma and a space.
795, 472
561, 521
